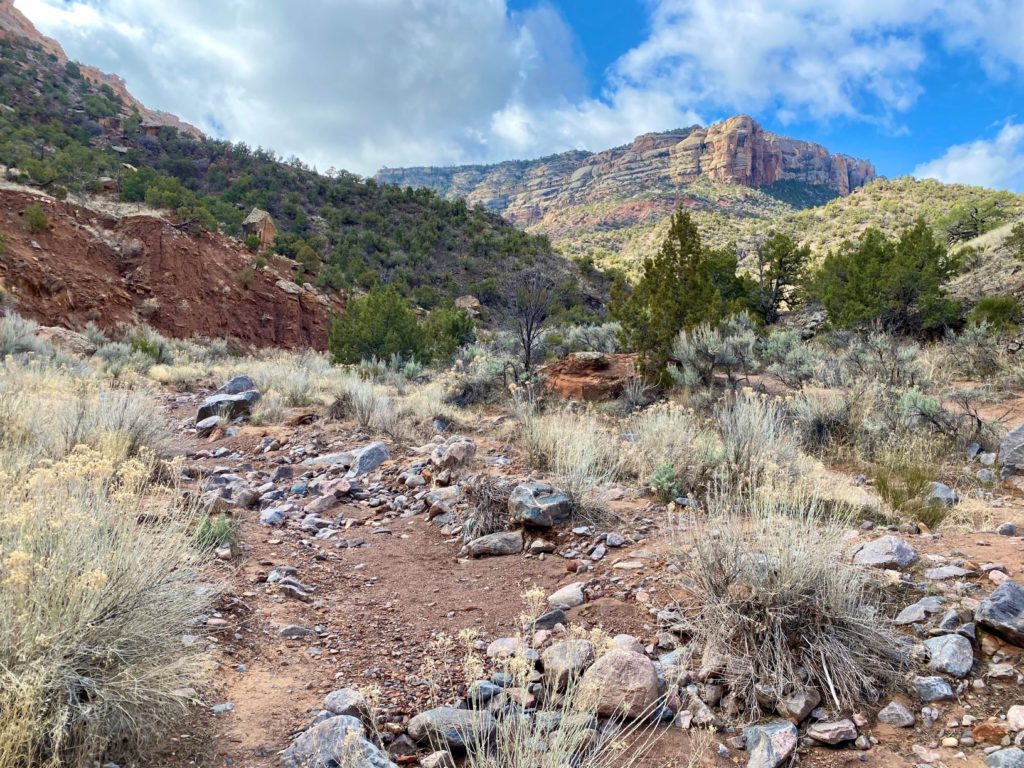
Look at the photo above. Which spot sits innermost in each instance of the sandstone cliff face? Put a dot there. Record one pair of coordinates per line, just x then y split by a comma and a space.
736, 151
14, 22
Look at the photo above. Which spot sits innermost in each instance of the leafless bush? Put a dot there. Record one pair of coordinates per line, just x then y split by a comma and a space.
488, 506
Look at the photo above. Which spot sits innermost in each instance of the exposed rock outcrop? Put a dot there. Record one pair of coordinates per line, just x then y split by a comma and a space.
736, 151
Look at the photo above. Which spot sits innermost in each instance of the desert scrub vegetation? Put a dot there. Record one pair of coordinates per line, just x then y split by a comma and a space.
771, 601
568, 721
577, 449
93, 607
18, 336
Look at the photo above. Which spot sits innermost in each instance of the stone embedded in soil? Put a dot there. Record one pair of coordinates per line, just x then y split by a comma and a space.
337, 741
798, 705
951, 654
441, 759
346, 701
368, 458
1015, 717
886, 552
771, 744
1003, 612
943, 494
947, 572
453, 452
452, 728
207, 425
295, 632
496, 544
896, 714
568, 596
625, 684
550, 619
1011, 450
833, 733
932, 688
1007, 529
539, 505
1011, 757
565, 661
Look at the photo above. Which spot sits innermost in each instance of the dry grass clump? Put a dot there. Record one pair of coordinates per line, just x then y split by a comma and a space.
46, 411
488, 506
667, 436
18, 336
757, 438
774, 606
94, 607
583, 457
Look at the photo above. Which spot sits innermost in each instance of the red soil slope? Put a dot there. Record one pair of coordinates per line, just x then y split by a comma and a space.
88, 266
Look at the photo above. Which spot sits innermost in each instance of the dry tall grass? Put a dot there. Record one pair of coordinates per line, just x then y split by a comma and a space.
774, 605
99, 579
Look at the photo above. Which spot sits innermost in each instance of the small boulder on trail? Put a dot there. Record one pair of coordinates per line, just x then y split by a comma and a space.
539, 505
228, 406
1002, 612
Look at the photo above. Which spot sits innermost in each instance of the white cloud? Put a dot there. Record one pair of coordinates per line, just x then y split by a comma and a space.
364, 83
997, 162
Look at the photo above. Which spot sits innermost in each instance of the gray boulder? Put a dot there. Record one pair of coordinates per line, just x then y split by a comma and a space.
624, 683
565, 661
1002, 612
495, 544
1011, 450
368, 458
1011, 757
568, 596
886, 552
897, 715
932, 688
797, 705
951, 654
236, 386
539, 505
450, 728
336, 741
771, 744
346, 702
943, 494
228, 406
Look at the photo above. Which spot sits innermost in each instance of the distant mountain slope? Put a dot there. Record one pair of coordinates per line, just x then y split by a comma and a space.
605, 204
67, 133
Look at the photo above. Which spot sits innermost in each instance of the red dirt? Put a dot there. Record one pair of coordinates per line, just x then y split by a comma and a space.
90, 267
590, 376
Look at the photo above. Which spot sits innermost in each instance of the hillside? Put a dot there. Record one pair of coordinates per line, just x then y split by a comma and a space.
89, 266
67, 133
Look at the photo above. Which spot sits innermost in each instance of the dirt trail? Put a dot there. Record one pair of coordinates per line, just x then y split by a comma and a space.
376, 609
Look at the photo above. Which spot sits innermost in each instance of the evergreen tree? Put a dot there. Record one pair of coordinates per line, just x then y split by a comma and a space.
781, 270
897, 284
380, 324
676, 291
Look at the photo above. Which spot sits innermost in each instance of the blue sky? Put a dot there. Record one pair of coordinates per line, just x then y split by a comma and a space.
923, 87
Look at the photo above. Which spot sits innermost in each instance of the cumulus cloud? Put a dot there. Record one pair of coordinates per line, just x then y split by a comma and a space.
996, 162
367, 83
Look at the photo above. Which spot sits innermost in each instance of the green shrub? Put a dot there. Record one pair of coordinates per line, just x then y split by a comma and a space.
247, 277
18, 335
897, 284
1000, 313
252, 242
3, 244
698, 354
664, 483
790, 359
36, 219
445, 330
380, 324
213, 532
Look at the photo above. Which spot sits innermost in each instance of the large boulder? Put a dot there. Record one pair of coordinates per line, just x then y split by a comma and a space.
336, 741
624, 683
565, 661
1002, 612
70, 341
886, 552
228, 406
1011, 450
450, 728
568, 596
346, 701
1011, 757
771, 744
539, 505
236, 386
